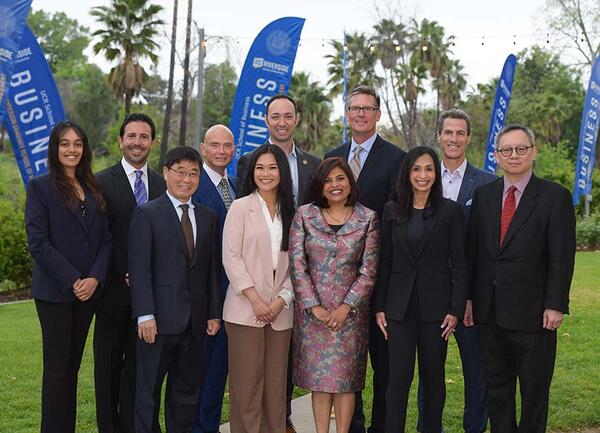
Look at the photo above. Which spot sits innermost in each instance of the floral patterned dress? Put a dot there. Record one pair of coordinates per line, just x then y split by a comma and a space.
329, 269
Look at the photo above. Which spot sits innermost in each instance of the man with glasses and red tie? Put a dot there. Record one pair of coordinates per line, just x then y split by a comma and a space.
125, 185
174, 266
375, 164
521, 253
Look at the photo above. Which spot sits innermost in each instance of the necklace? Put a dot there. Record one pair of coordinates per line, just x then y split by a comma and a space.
342, 220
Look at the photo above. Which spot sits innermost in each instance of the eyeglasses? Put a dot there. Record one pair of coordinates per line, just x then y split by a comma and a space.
508, 151
355, 109
182, 174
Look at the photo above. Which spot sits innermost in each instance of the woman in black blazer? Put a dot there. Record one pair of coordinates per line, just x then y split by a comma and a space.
421, 288
67, 231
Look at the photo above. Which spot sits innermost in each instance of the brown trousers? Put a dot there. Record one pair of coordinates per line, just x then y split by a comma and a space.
257, 378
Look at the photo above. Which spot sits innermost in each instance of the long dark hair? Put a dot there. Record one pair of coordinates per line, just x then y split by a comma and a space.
318, 182
285, 194
83, 171
404, 195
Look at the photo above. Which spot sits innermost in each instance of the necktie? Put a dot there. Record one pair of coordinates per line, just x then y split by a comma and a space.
188, 232
508, 211
355, 162
224, 188
139, 189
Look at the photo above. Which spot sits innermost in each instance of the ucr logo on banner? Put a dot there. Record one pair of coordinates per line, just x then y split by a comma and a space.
278, 43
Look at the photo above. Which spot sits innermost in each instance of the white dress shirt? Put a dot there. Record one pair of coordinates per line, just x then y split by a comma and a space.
275, 227
216, 178
366, 148
130, 172
179, 211
293, 163
452, 180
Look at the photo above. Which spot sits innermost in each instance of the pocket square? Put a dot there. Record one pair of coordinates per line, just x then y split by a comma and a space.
468, 203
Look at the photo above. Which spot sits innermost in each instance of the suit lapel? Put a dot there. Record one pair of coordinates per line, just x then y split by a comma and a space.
155, 185
210, 194
199, 227
370, 162
494, 205
302, 174
526, 206
122, 185
466, 186
403, 231
173, 222
428, 227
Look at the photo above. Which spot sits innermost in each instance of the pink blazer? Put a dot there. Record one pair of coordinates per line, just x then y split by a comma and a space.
248, 262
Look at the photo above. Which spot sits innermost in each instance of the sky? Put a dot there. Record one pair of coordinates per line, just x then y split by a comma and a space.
485, 31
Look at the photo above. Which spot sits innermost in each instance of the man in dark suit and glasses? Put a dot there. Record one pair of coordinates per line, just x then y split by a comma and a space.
125, 185
521, 253
281, 119
217, 192
375, 163
459, 181
174, 273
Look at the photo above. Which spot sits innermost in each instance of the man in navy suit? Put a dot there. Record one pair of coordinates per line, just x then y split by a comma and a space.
175, 295
216, 191
375, 163
459, 181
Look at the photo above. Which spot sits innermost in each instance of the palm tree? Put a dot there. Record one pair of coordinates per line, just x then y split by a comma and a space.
186, 78
169, 105
128, 36
314, 108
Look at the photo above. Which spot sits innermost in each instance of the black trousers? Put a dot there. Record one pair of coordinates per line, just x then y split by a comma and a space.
508, 355
64, 331
114, 368
179, 357
404, 339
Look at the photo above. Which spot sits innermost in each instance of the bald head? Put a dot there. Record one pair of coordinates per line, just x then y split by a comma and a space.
217, 148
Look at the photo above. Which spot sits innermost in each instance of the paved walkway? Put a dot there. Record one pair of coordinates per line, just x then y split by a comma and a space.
302, 416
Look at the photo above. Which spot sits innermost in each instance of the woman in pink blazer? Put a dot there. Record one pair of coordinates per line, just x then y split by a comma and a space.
258, 311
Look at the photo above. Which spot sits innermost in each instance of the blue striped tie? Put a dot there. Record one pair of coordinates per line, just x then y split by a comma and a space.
139, 189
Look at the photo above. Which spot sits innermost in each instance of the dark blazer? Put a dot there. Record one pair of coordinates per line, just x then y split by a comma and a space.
164, 281
377, 178
532, 270
208, 195
474, 177
64, 245
438, 271
120, 203
307, 166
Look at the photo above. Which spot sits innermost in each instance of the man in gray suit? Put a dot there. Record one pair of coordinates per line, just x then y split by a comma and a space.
459, 181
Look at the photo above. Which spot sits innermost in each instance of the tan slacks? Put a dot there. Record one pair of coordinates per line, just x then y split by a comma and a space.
257, 378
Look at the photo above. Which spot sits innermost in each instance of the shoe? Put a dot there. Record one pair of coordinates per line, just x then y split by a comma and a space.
289, 426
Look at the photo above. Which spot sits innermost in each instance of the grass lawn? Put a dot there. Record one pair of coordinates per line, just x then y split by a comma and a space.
574, 399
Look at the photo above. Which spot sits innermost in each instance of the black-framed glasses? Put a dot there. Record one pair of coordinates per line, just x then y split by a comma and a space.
181, 174
508, 151
367, 109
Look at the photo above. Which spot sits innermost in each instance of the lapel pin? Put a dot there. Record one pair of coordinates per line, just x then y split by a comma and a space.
304, 161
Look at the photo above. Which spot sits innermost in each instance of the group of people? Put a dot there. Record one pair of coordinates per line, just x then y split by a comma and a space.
296, 271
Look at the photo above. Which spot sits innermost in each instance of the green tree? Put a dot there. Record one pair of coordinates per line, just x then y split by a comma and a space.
314, 108
61, 37
220, 81
128, 35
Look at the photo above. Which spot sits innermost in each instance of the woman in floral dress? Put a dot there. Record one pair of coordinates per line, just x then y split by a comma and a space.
334, 244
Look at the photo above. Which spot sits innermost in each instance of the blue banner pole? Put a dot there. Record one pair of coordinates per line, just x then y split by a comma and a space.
267, 71
344, 131
588, 134
33, 107
499, 110
13, 17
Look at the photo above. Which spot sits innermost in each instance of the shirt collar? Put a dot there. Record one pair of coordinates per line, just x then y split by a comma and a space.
129, 169
460, 170
293, 152
176, 202
213, 175
366, 145
520, 184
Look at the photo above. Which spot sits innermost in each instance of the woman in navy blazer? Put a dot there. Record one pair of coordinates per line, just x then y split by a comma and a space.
422, 286
67, 231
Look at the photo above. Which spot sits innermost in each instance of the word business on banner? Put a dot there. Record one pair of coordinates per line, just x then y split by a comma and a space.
588, 134
13, 16
33, 107
499, 111
267, 71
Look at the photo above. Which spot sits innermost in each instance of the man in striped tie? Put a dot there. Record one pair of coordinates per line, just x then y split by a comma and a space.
216, 191
127, 184
521, 252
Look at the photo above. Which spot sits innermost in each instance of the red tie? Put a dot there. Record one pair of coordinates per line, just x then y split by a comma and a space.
508, 211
